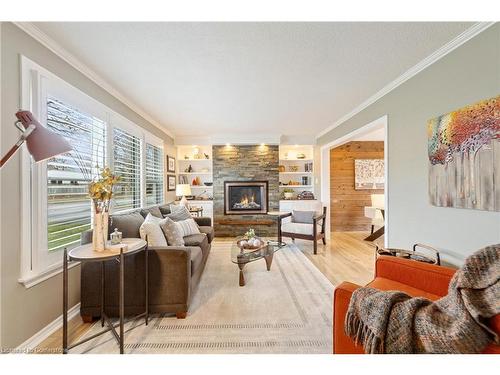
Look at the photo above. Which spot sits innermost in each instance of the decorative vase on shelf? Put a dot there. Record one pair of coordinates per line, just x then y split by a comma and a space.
100, 231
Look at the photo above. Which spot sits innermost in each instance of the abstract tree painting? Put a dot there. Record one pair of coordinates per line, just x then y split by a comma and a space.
464, 157
369, 174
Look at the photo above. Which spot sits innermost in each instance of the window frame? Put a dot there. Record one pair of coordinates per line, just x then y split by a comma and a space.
37, 84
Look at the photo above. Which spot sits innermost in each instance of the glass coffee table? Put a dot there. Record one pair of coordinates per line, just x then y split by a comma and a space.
243, 256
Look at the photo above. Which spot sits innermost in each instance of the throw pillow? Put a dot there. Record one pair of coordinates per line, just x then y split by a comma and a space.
188, 227
304, 217
180, 213
172, 232
155, 211
151, 232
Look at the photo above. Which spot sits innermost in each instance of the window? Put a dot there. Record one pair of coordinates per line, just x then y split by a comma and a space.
127, 164
154, 175
55, 205
68, 206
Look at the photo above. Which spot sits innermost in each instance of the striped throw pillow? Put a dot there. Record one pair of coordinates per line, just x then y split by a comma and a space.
178, 213
188, 227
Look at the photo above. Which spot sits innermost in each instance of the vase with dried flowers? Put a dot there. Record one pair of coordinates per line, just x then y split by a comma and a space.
101, 192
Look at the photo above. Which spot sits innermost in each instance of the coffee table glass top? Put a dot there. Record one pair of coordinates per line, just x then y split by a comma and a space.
239, 256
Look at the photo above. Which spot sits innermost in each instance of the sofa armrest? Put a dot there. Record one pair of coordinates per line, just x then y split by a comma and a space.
343, 344
203, 221
170, 275
428, 277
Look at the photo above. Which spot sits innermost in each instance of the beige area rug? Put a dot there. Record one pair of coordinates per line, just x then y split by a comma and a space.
285, 310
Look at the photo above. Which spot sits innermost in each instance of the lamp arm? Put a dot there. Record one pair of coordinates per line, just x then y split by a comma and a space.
18, 144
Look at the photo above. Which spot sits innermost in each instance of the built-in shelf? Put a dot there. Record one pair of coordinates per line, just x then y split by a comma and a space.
295, 172
201, 187
296, 186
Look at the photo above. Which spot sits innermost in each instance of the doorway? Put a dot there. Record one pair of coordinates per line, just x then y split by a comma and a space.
354, 177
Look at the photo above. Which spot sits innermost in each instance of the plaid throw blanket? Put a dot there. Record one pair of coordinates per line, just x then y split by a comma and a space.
393, 322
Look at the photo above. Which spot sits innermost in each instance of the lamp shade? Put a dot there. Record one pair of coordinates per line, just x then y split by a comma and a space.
182, 190
42, 143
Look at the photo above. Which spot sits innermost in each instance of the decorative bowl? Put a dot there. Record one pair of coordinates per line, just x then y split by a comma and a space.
208, 183
243, 244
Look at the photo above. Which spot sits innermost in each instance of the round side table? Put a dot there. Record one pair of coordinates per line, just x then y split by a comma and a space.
85, 253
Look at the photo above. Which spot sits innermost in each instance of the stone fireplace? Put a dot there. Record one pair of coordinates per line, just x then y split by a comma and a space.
246, 187
245, 197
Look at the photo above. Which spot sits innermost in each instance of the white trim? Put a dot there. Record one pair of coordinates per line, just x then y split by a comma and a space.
30, 280
429, 60
45, 332
56, 48
325, 168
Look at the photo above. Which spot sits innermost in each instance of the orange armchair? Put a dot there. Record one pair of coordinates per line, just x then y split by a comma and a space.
417, 279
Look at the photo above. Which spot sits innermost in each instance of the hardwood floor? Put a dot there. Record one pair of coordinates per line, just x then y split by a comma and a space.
345, 257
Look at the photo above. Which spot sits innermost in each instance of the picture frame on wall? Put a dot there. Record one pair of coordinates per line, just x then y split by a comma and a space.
170, 164
170, 182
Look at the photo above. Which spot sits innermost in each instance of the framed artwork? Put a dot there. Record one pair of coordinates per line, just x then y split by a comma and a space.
170, 164
464, 157
170, 182
369, 174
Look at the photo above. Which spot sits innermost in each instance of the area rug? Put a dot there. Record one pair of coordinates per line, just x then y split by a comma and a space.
285, 310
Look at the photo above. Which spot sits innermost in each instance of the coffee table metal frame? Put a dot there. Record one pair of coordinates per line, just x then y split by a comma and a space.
104, 257
249, 256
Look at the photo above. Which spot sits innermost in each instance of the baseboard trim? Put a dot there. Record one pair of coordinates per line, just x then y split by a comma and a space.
48, 330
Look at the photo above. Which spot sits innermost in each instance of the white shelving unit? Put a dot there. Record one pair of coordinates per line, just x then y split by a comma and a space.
297, 169
201, 169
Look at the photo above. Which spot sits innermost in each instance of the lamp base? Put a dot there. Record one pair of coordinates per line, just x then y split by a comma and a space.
184, 201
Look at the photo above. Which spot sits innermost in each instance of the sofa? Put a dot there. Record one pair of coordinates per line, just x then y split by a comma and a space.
174, 271
417, 279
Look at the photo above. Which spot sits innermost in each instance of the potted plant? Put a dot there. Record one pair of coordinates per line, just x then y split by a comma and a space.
288, 193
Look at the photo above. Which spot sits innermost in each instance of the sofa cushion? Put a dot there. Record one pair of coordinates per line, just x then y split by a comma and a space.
180, 214
196, 259
155, 211
200, 240
151, 232
387, 284
209, 231
128, 224
164, 209
299, 228
172, 232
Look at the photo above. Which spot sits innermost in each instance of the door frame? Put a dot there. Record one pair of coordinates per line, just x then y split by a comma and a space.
325, 168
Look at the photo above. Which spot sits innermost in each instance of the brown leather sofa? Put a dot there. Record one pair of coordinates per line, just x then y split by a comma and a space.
174, 272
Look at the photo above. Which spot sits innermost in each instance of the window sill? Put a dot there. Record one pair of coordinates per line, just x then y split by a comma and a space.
31, 278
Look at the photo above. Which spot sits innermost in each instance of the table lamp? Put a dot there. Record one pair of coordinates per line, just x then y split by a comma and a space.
183, 190
42, 143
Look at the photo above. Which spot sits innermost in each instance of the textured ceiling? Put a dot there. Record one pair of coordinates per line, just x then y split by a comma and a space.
248, 78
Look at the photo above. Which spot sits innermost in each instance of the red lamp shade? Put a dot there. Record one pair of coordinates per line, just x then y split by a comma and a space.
42, 143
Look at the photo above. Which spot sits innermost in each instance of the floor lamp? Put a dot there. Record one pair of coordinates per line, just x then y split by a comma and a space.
42, 143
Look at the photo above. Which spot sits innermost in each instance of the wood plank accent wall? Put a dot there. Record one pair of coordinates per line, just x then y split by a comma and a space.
346, 203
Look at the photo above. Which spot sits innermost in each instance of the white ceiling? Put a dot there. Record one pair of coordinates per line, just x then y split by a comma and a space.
248, 78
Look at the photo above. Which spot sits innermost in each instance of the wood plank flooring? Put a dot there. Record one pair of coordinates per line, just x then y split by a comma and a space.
346, 257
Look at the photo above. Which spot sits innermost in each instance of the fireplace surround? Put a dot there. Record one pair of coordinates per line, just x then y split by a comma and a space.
246, 197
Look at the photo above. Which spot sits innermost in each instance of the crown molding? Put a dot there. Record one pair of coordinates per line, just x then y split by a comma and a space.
429, 60
61, 52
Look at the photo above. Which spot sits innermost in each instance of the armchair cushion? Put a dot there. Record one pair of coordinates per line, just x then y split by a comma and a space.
299, 228
304, 217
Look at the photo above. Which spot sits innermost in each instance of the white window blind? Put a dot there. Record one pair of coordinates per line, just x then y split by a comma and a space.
154, 175
68, 205
127, 165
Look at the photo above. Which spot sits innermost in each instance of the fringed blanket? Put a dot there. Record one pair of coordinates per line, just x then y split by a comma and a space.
393, 322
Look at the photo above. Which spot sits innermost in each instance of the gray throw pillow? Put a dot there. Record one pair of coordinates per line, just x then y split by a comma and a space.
172, 232
128, 224
181, 213
304, 217
165, 209
155, 211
